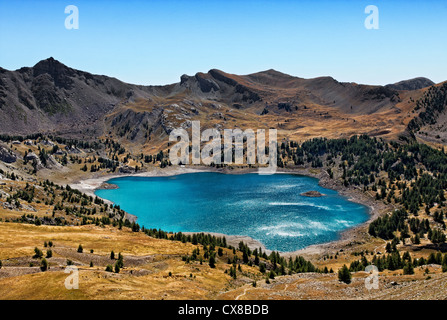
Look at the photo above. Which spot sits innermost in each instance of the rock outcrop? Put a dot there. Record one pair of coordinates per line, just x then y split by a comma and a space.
34, 159
312, 194
7, 156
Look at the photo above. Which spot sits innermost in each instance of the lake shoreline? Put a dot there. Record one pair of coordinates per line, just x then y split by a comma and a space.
357, 233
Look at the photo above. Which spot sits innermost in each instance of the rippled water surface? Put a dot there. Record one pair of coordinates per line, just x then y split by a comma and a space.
268, 208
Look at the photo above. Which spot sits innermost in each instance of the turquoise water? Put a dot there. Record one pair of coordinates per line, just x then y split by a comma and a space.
268, 208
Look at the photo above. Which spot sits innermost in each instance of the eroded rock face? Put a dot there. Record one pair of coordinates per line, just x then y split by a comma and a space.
7, 156
72, 149
52, 163
34, 158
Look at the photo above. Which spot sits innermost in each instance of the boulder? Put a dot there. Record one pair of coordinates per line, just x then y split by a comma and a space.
59, 152
126, 169
31, 156
72, 149
7, 156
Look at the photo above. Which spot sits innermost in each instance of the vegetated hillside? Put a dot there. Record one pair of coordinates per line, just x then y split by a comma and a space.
53, 98
405, 244
411, 84
431, 123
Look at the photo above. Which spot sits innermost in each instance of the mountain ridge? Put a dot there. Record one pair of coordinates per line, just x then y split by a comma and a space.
411, 84
51, 97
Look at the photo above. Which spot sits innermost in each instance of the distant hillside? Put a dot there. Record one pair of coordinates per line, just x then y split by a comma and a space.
271, 88
412, 84
431, 122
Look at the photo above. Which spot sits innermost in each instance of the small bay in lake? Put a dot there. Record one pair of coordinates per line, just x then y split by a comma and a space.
268, 208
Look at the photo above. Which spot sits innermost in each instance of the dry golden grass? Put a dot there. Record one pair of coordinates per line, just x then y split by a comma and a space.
148, 280
155, 269
98, 284
101, 239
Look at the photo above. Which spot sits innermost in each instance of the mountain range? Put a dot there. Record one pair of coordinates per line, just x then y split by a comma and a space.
53, 98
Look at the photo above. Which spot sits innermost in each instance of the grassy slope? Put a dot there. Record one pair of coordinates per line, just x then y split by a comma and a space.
148, 262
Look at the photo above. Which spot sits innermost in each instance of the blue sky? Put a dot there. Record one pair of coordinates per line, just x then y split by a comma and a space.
156, 41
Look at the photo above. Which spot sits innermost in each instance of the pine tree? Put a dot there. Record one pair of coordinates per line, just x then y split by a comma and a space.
44, 265
344, 275
256, 260
233, 273
38, 253
444, 263
120, 261
212, 262
245, 257
408, 268
417, 239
